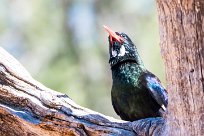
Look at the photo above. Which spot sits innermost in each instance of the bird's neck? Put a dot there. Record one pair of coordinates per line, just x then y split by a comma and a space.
127, 73
138, 59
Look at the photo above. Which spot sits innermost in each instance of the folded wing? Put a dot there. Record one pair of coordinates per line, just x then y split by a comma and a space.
155, 88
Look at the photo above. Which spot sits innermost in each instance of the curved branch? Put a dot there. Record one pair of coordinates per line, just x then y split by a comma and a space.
29, 108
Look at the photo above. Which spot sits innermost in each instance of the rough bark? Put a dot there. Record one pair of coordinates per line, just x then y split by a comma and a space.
29, 108
182, 45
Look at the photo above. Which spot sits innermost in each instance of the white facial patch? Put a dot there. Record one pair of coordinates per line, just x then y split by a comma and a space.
122, 51
114, 53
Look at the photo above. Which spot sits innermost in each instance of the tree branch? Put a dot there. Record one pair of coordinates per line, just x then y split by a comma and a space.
29, 108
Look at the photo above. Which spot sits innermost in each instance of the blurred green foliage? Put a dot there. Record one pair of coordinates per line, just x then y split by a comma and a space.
63, 45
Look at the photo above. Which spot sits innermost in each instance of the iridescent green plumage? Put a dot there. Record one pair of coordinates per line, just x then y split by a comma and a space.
130, 98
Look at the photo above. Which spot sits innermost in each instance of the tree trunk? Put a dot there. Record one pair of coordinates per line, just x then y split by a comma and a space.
29, 108
182, 45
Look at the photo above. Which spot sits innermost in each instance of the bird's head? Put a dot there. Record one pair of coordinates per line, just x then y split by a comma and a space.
121, 48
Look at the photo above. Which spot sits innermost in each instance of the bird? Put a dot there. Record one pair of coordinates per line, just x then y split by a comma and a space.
136, 92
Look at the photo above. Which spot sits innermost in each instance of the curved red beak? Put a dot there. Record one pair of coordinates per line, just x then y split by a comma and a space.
113, 35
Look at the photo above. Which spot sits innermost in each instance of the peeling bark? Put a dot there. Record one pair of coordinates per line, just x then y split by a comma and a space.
29, 108
182, 45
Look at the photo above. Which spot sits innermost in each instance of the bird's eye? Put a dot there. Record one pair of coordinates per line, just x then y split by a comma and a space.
123, 36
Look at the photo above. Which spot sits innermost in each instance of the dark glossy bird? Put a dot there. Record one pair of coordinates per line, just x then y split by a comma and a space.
136, 93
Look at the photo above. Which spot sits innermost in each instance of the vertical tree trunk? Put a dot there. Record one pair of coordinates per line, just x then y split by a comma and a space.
182, 45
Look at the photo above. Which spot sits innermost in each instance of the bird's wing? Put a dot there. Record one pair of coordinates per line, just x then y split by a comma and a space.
155, 88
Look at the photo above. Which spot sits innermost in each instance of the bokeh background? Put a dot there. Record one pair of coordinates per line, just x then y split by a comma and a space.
63, 45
